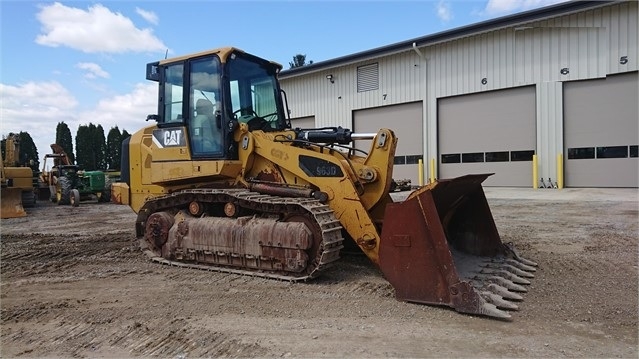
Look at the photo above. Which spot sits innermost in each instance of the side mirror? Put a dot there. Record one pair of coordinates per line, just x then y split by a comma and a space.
155, 118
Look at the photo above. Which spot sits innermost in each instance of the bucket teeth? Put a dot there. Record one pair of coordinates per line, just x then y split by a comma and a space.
525, 261
501, 281
491, 310
510, 268
517, 271
499, 301
505, 274
483, 286
521, 265
505, 293
516, 279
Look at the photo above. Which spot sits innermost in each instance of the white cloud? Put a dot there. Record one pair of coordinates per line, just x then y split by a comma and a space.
38, 107
443, 10
96, 30
127, 111
33, 100
500, 7
92, 70
149, 16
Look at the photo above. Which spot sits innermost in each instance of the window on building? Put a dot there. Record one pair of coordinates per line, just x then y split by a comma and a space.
413, 159
581, 153
472, 157
451, 158
502, 156
521, 155
612, 152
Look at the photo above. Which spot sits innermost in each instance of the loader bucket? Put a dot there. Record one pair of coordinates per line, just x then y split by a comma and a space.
441, 247
11, 203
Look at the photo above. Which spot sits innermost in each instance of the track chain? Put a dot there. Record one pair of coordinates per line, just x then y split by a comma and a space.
320, 213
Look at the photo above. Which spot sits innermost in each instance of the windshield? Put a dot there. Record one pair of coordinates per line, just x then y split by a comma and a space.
254, 94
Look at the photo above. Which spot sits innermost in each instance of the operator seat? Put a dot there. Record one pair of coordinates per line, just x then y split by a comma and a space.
205, 135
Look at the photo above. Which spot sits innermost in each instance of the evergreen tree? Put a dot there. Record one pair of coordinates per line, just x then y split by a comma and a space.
100, 148
114, 145
3, 148
90, 147
28, 152
84, 148
63, 138
299, 60
28, 155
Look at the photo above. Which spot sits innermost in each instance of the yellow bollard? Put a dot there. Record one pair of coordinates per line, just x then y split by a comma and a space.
433, 177
535, 172
420, 172
560, 171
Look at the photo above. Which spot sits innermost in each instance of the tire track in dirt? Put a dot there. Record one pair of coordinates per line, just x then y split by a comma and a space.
178, 337
24, 256
38, 311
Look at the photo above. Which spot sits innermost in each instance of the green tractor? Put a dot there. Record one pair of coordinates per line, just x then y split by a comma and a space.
70, 185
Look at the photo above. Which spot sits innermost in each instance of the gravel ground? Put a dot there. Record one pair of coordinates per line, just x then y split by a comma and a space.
73, 285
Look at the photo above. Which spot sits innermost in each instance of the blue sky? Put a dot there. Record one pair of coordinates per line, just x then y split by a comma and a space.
84, 61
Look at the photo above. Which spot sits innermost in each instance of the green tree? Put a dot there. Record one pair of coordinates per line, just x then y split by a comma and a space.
84, 148
90, 147
28, 155
299, 60
28, 152
3, 148
114, 145
100, 148
63, 138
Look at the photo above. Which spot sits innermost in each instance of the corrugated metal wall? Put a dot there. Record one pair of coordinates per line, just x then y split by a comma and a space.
401, 79
586, 44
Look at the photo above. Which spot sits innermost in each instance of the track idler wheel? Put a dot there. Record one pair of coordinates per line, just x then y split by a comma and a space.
157, 230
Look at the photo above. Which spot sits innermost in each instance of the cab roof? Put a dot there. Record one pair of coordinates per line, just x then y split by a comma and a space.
223, 53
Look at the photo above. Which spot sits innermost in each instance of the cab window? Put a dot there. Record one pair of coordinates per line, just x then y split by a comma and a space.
254, 93
205, 117
173, 93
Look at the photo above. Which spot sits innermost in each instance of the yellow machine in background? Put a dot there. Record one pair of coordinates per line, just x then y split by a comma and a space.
222, 182
18, 189
10, 198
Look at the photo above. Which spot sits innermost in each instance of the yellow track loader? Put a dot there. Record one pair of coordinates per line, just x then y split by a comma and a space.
222, 182
10, 197
18, 188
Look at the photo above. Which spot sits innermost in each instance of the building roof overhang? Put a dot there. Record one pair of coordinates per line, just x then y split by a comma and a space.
460, 32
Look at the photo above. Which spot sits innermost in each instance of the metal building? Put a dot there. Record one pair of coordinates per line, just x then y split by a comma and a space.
558, 84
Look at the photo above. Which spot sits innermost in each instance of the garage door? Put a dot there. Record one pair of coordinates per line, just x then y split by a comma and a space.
601, 132
488, 132
406, 121
303, 122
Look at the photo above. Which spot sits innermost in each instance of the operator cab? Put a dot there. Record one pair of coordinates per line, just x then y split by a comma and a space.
210, 93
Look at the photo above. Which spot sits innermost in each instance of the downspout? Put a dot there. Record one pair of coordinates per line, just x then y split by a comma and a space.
431, 169
419, 53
